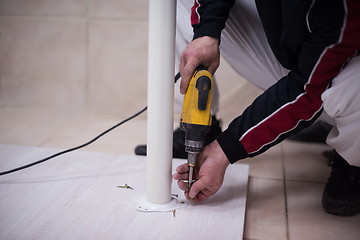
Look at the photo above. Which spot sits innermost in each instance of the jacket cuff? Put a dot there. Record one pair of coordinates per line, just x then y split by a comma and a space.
211, 29
231, 146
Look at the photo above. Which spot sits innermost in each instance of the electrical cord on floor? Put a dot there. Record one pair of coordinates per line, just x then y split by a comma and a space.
177, 76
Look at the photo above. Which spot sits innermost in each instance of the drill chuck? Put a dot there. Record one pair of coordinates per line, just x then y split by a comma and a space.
193, 146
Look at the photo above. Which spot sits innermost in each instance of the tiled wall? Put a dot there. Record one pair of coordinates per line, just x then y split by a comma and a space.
73, 55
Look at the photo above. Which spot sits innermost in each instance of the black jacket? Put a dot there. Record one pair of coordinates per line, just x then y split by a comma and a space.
314, 39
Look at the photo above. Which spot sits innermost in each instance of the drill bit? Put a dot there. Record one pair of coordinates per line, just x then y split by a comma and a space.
191, 163
191, 173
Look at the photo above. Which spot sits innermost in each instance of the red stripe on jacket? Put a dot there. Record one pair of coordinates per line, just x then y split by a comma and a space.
195, 17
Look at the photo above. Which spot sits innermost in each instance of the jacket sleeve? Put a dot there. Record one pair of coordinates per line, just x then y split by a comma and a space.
208, 17
294, 102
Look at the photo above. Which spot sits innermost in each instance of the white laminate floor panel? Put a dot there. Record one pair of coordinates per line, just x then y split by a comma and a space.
75, 196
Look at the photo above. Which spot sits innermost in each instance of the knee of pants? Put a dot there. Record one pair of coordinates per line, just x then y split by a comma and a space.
342, 99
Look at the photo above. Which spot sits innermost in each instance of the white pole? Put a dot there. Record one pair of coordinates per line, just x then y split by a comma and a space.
162, 17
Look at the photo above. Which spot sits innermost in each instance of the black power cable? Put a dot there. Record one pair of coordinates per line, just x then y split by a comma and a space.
177, 76
74, 148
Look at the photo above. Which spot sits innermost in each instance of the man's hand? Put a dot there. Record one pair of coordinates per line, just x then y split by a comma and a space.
210, 171
201, 51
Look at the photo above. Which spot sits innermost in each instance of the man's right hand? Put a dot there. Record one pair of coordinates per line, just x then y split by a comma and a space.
201, 51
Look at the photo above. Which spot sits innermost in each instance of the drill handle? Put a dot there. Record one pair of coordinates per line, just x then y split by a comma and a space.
197, 99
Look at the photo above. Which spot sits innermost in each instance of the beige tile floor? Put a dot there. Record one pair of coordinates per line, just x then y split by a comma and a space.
285, 185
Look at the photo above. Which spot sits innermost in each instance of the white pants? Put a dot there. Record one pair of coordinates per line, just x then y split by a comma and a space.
244, 46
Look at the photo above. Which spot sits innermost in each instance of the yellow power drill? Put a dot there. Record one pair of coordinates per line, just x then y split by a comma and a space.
196, 117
